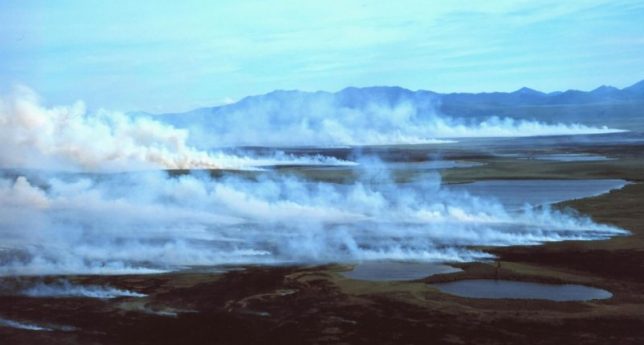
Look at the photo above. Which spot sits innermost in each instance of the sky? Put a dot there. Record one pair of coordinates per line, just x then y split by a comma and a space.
168, 56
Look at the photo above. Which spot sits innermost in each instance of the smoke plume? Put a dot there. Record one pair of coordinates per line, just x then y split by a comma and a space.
69, 138
149, 221
370, 116
63, 288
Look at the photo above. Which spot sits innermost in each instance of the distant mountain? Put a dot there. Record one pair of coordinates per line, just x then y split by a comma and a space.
637, 88
357, 97
527, 96
605, 105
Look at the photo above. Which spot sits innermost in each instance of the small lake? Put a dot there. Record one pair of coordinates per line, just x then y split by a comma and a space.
438, 164
515, 193
394, 270
497, 289
570, 157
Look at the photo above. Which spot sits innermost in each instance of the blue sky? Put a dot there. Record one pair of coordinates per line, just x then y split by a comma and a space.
163, 56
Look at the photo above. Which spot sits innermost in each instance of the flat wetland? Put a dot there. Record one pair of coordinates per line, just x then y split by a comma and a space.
321, 305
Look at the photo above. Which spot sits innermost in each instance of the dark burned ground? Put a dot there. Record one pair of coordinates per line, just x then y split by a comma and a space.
311, 305
317, 305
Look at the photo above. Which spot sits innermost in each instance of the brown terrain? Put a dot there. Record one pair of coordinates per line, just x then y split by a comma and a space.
318, 305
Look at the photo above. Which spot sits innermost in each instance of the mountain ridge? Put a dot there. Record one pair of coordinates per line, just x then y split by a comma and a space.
391, 94
604, 105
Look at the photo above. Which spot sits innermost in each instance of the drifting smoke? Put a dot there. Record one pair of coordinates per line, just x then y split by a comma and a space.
30, 326
350, 117
148, 223
64, 288
23, 325
67, 137
60, 288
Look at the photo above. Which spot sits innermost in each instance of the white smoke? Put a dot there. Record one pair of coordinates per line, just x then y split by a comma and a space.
149, 222
67, 137
290, 118
23, 325
31, 326
63, 288
145, 222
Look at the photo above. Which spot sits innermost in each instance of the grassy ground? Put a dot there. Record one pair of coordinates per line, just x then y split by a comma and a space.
318, 305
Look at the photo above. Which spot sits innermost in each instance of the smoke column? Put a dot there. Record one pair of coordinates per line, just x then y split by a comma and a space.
68, 138
148, 221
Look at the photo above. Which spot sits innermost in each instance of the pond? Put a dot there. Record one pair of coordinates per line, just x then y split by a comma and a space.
438, 164
515, 193
497, 289
570, 157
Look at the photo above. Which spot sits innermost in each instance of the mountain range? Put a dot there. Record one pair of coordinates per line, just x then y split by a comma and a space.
605, 105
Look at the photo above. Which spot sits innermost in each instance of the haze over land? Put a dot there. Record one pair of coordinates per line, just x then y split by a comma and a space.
321, 172
394, 115
149, 221
86, 189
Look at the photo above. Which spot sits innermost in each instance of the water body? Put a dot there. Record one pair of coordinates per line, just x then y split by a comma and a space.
497, 289
515, 194
432, 165
395, 270
438, 164
570, 157
559, 157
